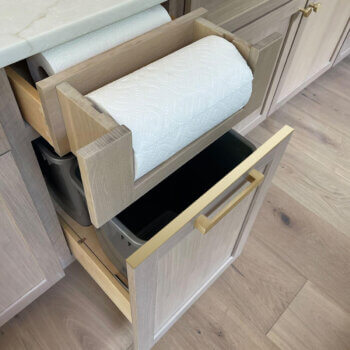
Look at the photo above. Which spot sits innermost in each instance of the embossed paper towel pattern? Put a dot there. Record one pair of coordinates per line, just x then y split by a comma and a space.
171, 102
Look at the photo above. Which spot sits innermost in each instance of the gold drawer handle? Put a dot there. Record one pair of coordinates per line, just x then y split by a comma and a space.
204, 224
306, 12
315, 6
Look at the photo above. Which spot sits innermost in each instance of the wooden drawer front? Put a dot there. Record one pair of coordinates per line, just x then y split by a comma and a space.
283, 20
104, 148
277, 21
195, 259
169, 272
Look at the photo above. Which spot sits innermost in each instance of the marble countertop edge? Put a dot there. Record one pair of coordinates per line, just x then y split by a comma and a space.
14, 48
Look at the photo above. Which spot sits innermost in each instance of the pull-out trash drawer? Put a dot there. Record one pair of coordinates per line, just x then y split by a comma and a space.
190, 227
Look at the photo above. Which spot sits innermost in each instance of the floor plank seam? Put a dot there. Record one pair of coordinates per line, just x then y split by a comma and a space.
282, 313
281, 258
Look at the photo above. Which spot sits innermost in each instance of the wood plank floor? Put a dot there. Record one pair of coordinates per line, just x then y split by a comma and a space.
290, 289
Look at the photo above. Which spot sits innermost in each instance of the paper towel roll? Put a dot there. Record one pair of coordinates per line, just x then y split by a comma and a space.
70, 53
172, 101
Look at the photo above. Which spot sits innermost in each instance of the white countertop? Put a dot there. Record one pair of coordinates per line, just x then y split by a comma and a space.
31, 26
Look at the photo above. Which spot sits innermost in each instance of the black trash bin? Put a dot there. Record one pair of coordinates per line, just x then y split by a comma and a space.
129, 230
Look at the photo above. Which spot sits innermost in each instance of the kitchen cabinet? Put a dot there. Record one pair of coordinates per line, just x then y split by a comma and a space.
311, 45
234, 14
29, 265
283, 20
312, 51
179, 260
167, 274
252, 21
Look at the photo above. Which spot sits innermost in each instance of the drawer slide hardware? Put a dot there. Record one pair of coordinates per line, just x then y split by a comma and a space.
82, 240
204, 224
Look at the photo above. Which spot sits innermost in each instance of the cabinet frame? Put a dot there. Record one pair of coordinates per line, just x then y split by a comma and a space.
288, 12
278, 101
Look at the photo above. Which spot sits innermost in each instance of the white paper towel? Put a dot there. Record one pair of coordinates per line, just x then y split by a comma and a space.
75, 51
172, 101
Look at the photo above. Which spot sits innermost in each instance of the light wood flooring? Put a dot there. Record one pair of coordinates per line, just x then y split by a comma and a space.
290, 289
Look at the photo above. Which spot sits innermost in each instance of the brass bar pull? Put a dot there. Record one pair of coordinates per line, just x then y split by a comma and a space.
315, 6
306, 12
204, 224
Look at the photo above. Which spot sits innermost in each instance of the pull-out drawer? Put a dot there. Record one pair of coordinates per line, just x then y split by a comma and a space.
61, 113
171, 270
40, 106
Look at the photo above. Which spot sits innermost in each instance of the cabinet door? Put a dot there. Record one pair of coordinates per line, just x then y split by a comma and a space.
285, 21
171, 270
28, 264
313, 48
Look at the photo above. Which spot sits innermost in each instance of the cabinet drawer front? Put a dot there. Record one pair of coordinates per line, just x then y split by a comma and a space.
169, 272
277, 21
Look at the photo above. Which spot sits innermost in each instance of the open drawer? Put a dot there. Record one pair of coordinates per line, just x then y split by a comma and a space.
40, 106
173, 268
61, 113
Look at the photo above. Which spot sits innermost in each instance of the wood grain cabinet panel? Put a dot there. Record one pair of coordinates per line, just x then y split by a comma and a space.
16, 260
313, 48
28, 264
285, 21
171, 270
234, 14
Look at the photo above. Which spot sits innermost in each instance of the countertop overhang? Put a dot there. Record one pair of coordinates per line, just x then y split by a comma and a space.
29, 27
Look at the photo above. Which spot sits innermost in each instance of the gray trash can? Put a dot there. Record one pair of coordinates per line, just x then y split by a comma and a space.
63, 181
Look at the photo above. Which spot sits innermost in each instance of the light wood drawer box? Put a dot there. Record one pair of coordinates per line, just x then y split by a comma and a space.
171, 270
104, 148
